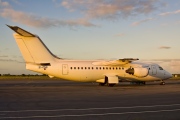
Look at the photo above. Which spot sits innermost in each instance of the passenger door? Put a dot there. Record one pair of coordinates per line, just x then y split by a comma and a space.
154, 70
64, 69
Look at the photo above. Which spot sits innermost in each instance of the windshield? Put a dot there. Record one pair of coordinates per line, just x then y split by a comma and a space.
160, 68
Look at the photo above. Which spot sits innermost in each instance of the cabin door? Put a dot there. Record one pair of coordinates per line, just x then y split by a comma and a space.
154, 70
64, 69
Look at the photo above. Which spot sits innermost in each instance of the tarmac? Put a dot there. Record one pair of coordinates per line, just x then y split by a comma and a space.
55, 99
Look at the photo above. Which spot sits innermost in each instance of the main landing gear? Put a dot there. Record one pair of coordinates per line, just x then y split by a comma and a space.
102, 84
138, 82
106, 83
109, 85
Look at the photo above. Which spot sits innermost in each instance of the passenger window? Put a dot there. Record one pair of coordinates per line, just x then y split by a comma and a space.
88, 67
81, 67
103, 68
85, 68
110, 68
74, 67
92, 68
100, 68
71, 67
78, 67
106, 68
97, 68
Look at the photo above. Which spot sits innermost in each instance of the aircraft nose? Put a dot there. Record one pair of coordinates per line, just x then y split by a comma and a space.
168, 75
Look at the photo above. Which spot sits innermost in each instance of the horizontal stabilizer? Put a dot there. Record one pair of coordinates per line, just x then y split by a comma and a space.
21, 32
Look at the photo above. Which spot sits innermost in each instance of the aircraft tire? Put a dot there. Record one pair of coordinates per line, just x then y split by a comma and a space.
110, 85
102, 84
162, 83
144, 83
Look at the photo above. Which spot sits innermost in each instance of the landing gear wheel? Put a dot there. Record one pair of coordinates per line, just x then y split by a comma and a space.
102, 84
110, 85
162, 83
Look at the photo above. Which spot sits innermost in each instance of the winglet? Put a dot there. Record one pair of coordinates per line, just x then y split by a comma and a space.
21, 32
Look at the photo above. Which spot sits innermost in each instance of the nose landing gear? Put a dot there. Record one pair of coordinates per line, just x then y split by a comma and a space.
162, 82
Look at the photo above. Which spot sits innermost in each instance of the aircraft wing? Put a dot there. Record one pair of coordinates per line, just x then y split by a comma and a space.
115, 62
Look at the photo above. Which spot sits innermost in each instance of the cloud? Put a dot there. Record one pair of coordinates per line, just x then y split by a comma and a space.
160, 60
170, 13
6, 49
110, 8
89, 9
141, 21
4, 4
6, 11
3, 56
173, 66
120, 35
164, 47
16, 2
10, 60
35, 21
175, 63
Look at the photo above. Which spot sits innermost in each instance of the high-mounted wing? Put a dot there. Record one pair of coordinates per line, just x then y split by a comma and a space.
115, 62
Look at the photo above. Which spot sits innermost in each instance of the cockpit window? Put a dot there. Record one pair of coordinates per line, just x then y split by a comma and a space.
160, 68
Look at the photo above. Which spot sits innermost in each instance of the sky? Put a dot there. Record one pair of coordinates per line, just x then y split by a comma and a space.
94, 29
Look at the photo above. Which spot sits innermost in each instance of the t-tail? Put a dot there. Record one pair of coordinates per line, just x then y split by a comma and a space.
33, 50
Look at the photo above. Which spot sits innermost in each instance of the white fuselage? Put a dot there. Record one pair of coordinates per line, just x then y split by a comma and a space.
85, 71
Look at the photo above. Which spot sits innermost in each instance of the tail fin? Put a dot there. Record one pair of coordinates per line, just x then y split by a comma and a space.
32, 48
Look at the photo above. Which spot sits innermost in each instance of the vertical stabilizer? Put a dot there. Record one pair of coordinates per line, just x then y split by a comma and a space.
31, 47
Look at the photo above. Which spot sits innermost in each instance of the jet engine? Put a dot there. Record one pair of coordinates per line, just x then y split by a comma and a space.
138, 72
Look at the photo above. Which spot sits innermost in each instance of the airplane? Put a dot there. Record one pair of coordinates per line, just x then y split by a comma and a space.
39, 58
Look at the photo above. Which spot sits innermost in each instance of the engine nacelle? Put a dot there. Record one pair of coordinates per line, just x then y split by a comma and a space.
138, 72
